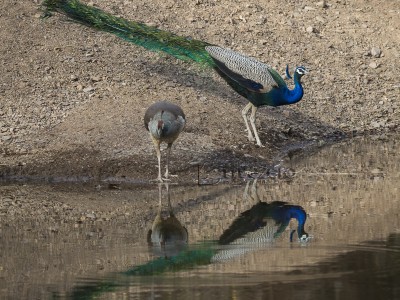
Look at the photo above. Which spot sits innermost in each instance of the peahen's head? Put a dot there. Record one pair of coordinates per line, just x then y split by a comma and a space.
299, 71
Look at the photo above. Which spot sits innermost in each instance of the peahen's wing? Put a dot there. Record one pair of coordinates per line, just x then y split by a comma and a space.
247, 71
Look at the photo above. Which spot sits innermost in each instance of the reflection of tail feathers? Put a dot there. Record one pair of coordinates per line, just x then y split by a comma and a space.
237, 250
185, 260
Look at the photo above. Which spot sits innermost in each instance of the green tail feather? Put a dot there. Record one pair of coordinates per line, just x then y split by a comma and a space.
183, 261
140, 34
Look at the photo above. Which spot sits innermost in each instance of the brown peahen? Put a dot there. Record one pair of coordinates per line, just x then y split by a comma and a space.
164, 121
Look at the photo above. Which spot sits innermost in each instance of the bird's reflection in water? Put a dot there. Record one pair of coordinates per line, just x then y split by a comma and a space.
253, 229
259, 226
167, 237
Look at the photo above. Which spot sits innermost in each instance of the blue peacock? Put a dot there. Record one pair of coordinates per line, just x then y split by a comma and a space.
256, 81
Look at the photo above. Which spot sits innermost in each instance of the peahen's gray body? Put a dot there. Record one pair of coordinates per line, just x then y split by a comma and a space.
164, 121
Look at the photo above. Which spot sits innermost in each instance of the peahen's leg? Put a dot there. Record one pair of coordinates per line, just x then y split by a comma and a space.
253, 124
158, 152
171, 212
167, 165
158, 219
244, 115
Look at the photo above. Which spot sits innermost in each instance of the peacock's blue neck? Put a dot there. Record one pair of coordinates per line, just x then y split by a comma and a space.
298, 213
295, 95
277, 96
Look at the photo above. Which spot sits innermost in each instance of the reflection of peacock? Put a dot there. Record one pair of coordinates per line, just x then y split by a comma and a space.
260, 226
254, 80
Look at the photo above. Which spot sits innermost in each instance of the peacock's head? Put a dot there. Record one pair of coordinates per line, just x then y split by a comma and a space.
300, 71
303, 236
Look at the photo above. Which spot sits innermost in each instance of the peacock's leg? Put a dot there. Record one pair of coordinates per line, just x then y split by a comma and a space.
253, 124
244, 115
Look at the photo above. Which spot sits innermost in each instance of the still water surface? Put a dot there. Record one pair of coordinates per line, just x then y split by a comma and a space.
229, 245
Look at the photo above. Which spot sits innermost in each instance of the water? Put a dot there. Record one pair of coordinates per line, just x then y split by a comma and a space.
349, 192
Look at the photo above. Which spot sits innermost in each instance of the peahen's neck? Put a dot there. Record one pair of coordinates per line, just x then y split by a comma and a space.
295, 95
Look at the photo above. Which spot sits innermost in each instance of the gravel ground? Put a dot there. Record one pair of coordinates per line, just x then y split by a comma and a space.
72, 99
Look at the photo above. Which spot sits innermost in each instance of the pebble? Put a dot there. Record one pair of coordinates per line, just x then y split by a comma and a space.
5, 138
88, 89
376, 52
95, 78
373, 65
310, 29
91, 216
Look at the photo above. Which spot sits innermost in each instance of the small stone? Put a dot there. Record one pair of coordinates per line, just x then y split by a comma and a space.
79, 87
376, 52
73, 77
376, 171
91, 216
373, 65
310, 29
5, 138
95, 78
88, 89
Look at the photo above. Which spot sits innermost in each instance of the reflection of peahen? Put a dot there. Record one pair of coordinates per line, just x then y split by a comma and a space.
167, 237
254, 80
164, 121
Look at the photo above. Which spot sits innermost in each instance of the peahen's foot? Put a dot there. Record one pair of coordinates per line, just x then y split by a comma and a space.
250, 137
158, 179
260, 145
